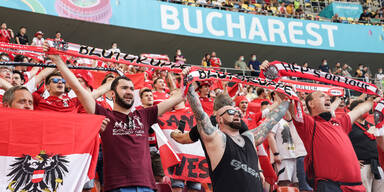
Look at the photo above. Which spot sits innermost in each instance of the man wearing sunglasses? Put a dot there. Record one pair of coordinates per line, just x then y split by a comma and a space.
232, 158
55, 99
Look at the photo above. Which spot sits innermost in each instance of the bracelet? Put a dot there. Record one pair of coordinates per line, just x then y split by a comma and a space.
276, 154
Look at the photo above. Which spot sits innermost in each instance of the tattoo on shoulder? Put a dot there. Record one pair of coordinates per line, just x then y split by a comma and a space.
224, 139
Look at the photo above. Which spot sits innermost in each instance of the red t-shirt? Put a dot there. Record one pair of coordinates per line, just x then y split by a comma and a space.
127, 161
334, 157
215, 62
158, 97
252, 119
53, 103
207, 104
2, 91
5, 36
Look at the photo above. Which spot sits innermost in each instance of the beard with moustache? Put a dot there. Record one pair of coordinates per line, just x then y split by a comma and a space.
233, 125
120, 101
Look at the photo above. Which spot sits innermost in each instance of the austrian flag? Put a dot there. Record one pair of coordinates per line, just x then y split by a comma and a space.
47, 151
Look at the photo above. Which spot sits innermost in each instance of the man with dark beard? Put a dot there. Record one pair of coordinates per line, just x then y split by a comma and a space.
127, 161
231, 156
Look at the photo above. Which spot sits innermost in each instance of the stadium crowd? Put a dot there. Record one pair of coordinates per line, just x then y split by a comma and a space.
345, 155
289, 8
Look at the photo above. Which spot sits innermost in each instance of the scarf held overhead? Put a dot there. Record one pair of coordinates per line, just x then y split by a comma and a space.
279, 69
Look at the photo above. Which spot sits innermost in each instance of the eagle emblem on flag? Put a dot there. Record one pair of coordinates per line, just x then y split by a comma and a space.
42, 173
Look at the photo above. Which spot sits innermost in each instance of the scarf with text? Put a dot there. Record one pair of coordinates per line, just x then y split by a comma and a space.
77, 50
279, 69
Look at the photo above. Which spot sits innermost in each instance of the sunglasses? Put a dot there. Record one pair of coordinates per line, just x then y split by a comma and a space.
56, 80
231, 112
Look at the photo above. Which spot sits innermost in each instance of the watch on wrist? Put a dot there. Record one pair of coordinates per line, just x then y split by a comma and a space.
276, 154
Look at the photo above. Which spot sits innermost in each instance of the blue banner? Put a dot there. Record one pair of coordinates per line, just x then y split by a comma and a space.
212, 23
343, 9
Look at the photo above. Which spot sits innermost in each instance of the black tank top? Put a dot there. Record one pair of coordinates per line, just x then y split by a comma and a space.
238, 170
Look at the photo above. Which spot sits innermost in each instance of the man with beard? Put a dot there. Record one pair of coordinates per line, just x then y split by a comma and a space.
232, 158
127, 162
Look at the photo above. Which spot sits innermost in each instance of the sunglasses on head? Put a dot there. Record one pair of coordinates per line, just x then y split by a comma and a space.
56, 80
231, 112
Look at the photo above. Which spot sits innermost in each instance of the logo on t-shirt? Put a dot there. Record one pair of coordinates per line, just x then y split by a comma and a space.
238, 165
132, 126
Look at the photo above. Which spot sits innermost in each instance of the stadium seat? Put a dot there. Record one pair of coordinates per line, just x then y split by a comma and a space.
288, 189
251, 7
258, 5
273, 9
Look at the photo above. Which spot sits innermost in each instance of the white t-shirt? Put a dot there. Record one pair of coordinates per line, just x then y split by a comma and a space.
380, 76
115, 50
284, 140
31, 85
38, 42
299, 145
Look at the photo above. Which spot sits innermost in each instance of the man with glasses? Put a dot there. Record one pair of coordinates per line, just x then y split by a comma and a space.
57, 99
232, 158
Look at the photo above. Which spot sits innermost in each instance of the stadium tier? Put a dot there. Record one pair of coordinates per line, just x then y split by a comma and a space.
191, 95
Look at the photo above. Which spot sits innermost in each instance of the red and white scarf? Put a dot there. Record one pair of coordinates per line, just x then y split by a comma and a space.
379, 115
279, 69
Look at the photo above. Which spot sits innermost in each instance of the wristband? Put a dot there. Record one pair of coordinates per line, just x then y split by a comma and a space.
276, 154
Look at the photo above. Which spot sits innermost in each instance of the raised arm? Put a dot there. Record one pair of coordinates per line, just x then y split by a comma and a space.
258, 134
174, 99
102, 89
204, 125
42, 75
170, 102
335, 104
4, 84
361, 109
84, 96
171, 81
34, 71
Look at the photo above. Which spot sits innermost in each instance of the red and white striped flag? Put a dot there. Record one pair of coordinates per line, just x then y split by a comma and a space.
47, 151
168, 155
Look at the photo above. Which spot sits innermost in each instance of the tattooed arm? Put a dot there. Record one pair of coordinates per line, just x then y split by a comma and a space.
204, 125
213, 139
258, 134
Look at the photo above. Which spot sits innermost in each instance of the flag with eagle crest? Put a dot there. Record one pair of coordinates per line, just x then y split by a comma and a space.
47, 151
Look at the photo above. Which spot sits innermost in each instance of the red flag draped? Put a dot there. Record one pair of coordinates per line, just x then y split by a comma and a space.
59, 149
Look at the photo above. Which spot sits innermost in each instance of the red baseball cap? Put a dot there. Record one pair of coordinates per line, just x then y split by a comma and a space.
39, 33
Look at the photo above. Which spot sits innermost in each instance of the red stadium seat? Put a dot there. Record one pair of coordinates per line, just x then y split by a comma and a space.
287, 189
